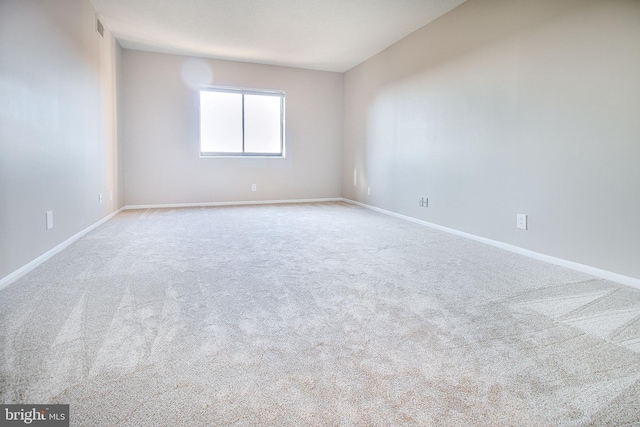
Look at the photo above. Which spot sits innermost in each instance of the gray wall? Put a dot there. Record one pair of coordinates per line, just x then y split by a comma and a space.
497, 108
502, 107
161, 133
58, 145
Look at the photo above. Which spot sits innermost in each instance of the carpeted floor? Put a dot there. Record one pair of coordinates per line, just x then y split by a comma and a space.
314, 315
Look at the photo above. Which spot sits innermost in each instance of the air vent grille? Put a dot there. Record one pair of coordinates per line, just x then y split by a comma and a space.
100, 28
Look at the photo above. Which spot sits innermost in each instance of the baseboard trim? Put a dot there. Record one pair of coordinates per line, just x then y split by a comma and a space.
604, 274
12, 277
237, 203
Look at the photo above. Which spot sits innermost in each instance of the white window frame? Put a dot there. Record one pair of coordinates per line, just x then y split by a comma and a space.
244, 91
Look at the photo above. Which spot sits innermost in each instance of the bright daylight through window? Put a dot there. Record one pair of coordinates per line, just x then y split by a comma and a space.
241, 122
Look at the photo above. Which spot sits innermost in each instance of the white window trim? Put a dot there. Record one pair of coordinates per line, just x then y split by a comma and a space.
244, 155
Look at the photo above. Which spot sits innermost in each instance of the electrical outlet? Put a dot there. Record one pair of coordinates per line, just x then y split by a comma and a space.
100, 198
368, 191
49, 220
423, 202
521, 221
253, 187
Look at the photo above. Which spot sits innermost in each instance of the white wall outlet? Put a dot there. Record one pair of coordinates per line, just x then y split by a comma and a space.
368, 191
423, 202
521, 221
253, 187
100, 198
49, 220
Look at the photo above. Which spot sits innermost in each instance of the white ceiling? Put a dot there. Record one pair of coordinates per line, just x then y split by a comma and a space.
330, 35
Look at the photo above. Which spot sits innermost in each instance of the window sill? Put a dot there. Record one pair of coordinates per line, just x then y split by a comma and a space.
242, 157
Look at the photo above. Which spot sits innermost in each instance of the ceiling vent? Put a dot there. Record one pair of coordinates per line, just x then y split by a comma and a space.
99, 27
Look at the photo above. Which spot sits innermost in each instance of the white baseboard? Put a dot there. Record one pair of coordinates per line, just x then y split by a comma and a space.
604, 274
239, 203
7, 280
12, 277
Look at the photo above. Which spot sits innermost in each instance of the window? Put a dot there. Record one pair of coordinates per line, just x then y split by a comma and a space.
241, 122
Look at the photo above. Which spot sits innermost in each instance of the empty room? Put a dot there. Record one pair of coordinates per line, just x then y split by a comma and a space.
320, 213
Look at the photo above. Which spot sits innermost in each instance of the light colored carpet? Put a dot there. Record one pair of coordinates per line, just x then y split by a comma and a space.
315, 315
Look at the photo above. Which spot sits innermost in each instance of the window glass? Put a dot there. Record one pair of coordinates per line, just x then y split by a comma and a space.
262, 124
241, 122
220, 122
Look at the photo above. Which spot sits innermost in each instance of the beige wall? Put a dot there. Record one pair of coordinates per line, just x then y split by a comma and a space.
58, 147
502, 107
161, 133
